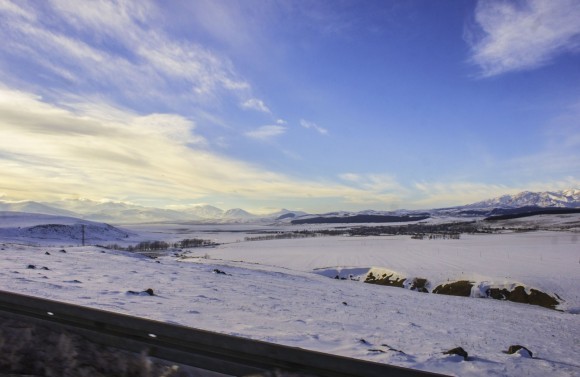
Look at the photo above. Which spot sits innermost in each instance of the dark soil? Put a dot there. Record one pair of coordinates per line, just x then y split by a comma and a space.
458, 288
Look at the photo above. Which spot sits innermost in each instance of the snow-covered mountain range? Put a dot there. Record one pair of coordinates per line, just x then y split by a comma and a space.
120, 212
563, 199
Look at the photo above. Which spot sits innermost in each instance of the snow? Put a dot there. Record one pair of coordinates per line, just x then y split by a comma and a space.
280, 291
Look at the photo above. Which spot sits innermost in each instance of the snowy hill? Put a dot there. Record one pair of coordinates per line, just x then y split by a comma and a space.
37, 227
238, 214
205, 211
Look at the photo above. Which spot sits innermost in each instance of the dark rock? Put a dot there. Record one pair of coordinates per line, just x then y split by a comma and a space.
457, 351
498, 294
62, 250
344, 303
519, 295
148, 291
219, 272
363, 341
458, 288
393, 349
31, 267
420, 285
515, 348
542, 299
45, 268
47, 253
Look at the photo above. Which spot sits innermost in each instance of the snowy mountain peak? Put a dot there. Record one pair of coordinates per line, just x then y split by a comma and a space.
205, 211
565, 199
237, 213
34, 207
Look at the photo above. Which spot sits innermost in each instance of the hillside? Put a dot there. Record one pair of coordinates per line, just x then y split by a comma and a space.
25, 227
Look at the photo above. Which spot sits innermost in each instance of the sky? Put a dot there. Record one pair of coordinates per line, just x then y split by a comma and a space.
306, 105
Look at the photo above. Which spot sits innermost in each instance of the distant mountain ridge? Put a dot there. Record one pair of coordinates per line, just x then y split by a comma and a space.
120, 212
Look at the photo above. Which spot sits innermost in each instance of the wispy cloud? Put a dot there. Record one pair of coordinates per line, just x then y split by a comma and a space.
311, 125
522, 35
116, 48
266, 132
256, 104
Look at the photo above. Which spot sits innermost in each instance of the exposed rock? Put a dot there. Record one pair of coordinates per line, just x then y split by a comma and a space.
420, 285
31, 267
498, 294
522, 350
385, 280
457, 351
393, 349
542, 299
148, 291
458, 288
519, 294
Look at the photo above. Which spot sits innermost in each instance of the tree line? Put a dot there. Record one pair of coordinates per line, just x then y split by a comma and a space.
162, 245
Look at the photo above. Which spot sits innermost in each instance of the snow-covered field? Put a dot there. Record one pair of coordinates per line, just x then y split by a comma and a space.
548, 261
278, 291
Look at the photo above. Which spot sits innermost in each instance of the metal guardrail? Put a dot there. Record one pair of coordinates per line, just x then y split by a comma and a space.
201, 349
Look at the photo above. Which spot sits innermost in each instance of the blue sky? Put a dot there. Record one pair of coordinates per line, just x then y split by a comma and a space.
311, 105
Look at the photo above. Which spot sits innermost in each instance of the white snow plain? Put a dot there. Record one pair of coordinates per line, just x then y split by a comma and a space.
276, 291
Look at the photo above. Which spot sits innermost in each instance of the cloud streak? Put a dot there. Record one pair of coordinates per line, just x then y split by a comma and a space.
266, 132
114, 48
515, 36
256, 104
313, 126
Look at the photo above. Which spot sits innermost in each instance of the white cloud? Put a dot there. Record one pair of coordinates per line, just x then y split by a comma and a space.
311, 125
523, 35
96, 150
266, 132
145, 63
376, 183
256, 104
